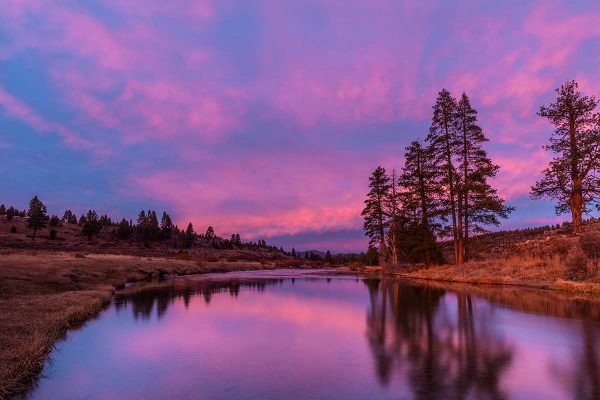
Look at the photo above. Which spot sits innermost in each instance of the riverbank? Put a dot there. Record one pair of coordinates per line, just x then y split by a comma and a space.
532, 272
43, 294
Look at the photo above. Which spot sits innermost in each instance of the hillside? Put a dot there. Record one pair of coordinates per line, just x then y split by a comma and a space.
70, 239
534, 241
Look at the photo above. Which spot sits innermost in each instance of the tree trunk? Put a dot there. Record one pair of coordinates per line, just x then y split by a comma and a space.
576, 204
465, 191
34, 231
452, 197
576, 200
460, 249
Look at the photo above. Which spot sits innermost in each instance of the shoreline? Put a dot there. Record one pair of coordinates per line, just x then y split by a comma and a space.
45, 294
452, 274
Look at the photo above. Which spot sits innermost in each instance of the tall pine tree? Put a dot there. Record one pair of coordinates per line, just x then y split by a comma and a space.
376, 221
443, 142
573, 176
478, 202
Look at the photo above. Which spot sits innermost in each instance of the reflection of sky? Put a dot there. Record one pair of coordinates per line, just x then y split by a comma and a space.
305, 339
267, 117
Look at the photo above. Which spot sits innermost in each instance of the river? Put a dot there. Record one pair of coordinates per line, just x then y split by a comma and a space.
289, 334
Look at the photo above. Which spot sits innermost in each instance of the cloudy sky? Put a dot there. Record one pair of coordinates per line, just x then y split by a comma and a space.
266, 117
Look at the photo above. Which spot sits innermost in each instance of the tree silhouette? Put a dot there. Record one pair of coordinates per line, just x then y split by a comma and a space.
376, 219
573, 176
91, 225
444, 142
479, 203
420, 198
37, 216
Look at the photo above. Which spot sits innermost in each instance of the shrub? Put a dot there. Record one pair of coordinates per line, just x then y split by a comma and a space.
576, 265
183, 255
13, 229
52, 234
590, 244
561, 246
211, 259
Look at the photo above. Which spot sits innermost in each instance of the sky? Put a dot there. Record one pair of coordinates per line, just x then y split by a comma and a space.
267, 117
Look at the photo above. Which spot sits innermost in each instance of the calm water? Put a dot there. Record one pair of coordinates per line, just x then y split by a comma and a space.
300, 335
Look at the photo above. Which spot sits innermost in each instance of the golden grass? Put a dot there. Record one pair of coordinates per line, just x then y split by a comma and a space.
43, 294
529, 271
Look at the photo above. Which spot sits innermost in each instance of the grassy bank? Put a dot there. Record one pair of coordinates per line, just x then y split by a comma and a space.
43, 294
548, 273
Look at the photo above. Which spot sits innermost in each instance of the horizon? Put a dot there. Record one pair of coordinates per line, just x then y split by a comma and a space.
266, 119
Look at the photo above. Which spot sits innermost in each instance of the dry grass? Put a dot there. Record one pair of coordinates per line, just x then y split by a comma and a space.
517, 270
43, 294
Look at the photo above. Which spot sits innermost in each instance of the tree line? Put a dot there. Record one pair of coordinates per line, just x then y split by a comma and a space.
147, 228
444, 189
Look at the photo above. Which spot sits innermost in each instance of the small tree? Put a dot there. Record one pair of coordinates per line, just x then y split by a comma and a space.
91, 225
2, 209
189, 237
166, 226
293, 252
328, 258
37, 215
123, 230
54, 221
573, 176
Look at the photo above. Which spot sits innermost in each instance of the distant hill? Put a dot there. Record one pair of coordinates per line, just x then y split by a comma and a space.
70, 239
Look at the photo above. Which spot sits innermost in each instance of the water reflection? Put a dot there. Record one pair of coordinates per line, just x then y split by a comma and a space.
143, 299
445, 354
299, 336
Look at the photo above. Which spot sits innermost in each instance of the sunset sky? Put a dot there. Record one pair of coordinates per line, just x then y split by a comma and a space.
267, 117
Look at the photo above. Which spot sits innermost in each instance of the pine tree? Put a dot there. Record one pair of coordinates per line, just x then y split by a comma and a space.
189, 236
573, 176
420, 194
210, 233
328, 258
152, 228
54, 221
479, 203
91, 224
443, 142
2, 209
37, 215
69, 217
166, 226
293, 252
124, 229
376, 221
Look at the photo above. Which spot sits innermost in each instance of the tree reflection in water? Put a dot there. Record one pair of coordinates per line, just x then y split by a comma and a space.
442, 353
160, 295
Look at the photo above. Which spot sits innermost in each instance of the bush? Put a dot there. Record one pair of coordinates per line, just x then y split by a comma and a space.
211, 259
183, 255
558, 246
52, 234
590, 244
576, 265
13, 229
